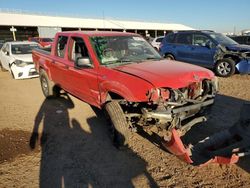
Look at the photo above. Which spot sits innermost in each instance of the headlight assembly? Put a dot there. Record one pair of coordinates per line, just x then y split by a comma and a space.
20, 63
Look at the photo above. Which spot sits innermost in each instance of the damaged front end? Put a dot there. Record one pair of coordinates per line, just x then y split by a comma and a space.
240, 56
170, 113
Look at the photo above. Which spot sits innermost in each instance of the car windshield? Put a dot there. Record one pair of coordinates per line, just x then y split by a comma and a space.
23, 48
119, 50
222, 39
46, 40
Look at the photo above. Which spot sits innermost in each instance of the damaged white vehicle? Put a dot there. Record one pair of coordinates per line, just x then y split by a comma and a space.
16, 57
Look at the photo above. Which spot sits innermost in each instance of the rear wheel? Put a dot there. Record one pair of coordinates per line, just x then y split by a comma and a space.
169, 57
1, 67
119, 126
225, 67
48, 87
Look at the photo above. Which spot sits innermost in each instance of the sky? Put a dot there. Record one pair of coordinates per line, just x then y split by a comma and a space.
219, 15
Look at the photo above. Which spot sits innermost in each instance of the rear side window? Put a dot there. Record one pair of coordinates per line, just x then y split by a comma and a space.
184, 38
170, 38
61, 45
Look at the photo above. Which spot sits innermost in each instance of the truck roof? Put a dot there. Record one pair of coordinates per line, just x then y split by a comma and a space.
100, 33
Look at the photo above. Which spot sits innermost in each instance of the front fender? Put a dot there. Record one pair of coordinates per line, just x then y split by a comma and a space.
118, 88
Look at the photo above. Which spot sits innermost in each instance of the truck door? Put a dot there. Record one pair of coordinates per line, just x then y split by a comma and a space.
58, 67
81, 81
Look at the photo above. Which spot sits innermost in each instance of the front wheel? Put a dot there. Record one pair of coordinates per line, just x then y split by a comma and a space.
48, 87
225, 67
119, 125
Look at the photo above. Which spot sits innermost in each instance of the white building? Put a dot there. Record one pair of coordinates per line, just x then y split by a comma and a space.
26, 25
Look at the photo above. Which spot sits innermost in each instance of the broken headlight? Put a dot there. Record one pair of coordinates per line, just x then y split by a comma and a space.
20, 63
158, 93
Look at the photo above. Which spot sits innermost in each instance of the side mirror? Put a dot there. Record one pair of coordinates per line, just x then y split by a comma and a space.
83, 62
209, 44
6, 53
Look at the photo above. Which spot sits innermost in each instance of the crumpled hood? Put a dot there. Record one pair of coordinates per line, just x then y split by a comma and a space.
239, 47
165, 73
23, 57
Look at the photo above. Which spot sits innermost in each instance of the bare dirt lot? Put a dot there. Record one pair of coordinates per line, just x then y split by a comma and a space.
61, 143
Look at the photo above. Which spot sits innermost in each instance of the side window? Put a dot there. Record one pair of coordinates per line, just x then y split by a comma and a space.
170, 38
184, 38
61, 45
200, 40
77, 49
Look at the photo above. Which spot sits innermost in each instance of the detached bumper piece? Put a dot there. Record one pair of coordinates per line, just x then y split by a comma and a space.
244, 66
224, 147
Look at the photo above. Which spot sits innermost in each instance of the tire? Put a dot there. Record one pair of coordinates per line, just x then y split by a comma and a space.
169, 57
48, 87
1, 67
119, 126
225, 67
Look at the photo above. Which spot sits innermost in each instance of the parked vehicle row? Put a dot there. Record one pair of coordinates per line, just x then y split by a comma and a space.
123, 75
208, 49
245, 39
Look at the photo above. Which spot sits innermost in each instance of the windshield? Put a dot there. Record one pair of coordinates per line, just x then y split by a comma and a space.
22, 48
46, 40
222, 39
118, 50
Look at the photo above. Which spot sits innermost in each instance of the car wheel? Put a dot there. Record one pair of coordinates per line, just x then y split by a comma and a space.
169, 57
225, 67
48, 87
1, 67
120, 132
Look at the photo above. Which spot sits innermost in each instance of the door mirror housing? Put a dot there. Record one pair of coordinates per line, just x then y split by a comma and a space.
83, 62
6, 52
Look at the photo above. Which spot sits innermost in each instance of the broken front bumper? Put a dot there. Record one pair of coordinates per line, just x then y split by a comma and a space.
224, 147
244, 66
187, 154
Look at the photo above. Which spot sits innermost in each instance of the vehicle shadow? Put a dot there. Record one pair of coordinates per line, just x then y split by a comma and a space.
75, 156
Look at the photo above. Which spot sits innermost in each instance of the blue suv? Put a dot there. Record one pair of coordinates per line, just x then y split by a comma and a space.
208, 49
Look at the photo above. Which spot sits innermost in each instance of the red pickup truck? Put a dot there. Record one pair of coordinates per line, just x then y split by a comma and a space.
124, 75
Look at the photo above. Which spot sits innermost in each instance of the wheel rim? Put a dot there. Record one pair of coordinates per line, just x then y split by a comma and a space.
44, 84
224, 68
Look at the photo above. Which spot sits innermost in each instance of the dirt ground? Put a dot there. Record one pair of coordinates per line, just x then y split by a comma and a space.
61, 143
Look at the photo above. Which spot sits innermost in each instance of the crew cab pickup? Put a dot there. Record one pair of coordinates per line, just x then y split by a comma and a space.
124, 75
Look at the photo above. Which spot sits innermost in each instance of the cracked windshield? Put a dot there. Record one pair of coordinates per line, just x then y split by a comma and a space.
119, 50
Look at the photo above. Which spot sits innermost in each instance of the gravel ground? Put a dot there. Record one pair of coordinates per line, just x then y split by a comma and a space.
72, 146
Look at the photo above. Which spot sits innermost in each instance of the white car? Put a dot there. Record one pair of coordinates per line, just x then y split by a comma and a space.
156, 42
16, 57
